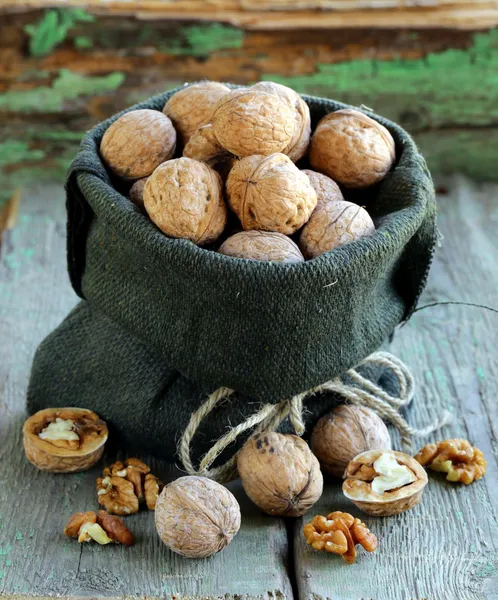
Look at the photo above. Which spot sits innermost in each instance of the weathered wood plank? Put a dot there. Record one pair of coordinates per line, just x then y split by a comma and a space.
445, 548
35, 557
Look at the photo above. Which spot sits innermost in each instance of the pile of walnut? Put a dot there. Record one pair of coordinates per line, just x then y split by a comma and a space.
217, 155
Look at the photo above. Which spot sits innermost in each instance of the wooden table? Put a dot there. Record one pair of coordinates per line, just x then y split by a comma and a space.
445, 549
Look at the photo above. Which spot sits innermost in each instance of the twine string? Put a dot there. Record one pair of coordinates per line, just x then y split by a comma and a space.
270, 416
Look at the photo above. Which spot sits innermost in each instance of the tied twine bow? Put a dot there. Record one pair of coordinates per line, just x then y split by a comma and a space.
362, 392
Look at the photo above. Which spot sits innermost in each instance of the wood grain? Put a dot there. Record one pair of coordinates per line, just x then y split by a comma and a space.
446, 548
35, 557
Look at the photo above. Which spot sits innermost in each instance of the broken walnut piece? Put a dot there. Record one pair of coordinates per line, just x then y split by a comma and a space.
117, 495
102, 528
384, 482
461, 461
64, 440
115, 528
73, 526
339, 533
153, 487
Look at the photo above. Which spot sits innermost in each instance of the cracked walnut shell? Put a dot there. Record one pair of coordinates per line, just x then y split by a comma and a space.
193, 106
280, 474
457, 458
333, 225
352, 148
262, 245
64, 440
299, 143
399, 486
247, 122
339, 533
196, 517
183, 197
270, 193
346, 432
138, 142
326, 189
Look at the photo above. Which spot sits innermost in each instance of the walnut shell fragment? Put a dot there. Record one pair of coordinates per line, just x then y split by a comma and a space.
396, 491
196, 517
64, 440
346, 432
138, 142
280, 474
247, 122
183, 197
262, 245
326, 189
352, 148
270, 193
333, 225
193, 106
298, 146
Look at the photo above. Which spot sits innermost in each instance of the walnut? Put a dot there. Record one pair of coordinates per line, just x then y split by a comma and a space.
333, 225
153, 487
101, 528
262, 245
457, 458
297, 147
280, 474
137, 143
196, 517
117, 495
183, 197
193, 106
270, 193
353, 149
384, 483
64, 440
344, 433
247, 122
204, 146
136, 193
339, 533
326, 189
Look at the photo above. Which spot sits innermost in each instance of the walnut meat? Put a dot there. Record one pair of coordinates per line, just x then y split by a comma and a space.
326, 189
344, 433
384, 483
247, 122
137, 143
64, 440
334, 225
196, 517
457, 458
339, 533
152, 488
101, 528
117, 495
270, 193
280, 474
193, 106
183, 197
352, 149
262, 245
297, 147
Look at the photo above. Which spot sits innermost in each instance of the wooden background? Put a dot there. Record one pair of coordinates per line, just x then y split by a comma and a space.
64, 65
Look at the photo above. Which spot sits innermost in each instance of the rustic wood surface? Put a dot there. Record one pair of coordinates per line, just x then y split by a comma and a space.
445, 549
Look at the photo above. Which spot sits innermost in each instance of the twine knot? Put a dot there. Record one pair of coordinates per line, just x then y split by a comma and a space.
269, 417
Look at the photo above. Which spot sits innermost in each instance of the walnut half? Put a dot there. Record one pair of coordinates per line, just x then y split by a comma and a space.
101, 528
457, 458
384, 483
64, 440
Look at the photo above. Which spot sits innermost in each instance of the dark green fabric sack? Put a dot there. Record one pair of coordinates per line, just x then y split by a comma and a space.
164, 322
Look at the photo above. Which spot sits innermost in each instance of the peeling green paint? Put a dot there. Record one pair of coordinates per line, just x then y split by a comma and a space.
19, 535
52, 29
67, 86
202, 40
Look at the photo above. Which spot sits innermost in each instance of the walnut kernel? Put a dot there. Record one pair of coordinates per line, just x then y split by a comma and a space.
183, 197
457, 458
280, 474
352, 148
196, 517
117, 495
153, 487
270, 193
101, 528
262, 245
138, 142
